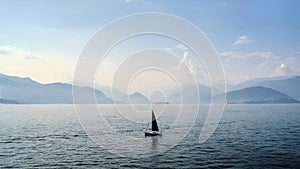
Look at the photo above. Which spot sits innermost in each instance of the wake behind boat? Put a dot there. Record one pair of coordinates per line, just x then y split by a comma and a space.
154, 129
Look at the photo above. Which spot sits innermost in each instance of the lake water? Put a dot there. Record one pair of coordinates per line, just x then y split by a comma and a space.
51, 136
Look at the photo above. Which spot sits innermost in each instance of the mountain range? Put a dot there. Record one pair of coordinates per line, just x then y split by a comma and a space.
27, 91
188, 94
287, 85
264, 90
116, 95
258, 94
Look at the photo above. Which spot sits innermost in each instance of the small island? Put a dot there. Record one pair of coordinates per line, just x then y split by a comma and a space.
161, 103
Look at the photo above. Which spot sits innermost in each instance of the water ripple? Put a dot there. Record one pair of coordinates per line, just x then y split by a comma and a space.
248, 136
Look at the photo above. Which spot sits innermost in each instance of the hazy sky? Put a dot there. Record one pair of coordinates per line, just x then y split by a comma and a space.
43, 39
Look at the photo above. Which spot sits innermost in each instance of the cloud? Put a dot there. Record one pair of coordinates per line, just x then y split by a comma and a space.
183, 60
241, 40
128, 1
287, 66
282, 70
185, 55
44, 68
268, 63
188, 63
181, 46
284, 65
245, 56
168, 49
5, 49
9, 51
30, 56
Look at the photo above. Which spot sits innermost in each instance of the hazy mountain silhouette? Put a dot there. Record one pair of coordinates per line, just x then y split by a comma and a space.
116, 95
258, 94
188, 95
287, 85
25, 90
290, 86
137, 98
6, 101
111, 92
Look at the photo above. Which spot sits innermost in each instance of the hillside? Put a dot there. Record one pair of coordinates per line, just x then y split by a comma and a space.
28, 91
187, 95
287, 85
258, 95
138, 98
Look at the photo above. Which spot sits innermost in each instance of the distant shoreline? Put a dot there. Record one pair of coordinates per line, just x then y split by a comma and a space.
143, 104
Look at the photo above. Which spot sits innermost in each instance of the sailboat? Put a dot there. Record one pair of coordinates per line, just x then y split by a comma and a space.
154, 130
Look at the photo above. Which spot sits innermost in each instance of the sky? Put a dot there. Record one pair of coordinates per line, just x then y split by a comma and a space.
42, 39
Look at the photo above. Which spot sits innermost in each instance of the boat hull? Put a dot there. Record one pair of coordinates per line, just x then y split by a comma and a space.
153, 133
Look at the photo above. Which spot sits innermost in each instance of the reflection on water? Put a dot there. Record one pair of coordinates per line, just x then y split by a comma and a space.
154, 144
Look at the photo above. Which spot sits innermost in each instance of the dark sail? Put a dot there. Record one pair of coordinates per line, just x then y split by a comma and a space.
154, 123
